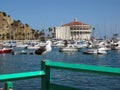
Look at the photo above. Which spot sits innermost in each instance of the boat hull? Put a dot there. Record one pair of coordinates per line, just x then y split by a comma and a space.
94, 51
68, 49
5, 50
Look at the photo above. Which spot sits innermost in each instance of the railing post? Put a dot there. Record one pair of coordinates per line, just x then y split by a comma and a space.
45, 80
8, 86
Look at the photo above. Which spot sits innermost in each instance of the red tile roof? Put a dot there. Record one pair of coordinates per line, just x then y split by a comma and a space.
74, 23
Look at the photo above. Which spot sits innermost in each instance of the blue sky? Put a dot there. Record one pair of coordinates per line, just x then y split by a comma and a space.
104, 15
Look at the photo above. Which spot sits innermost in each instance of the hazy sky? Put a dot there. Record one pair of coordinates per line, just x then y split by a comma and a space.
104, 15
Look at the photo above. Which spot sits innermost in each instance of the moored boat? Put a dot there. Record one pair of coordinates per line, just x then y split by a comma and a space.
95, 51
68, 48
33, 47
5, 50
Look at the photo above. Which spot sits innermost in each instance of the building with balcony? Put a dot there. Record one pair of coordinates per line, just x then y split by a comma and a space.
73, 31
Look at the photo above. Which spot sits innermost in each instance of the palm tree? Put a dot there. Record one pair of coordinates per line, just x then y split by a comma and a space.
3, 36
8, 35
42, 35
50, 31
93, 31
15, 36
37, 34
33, 34
28, 35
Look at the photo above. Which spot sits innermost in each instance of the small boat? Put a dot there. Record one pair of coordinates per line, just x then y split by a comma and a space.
95, 51
58, 44
102, 52
68, 48
81, 44
33, 47
5, 50
9, 44
90, 51
21, 45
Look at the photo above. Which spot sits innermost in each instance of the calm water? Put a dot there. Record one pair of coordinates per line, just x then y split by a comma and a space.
20, 63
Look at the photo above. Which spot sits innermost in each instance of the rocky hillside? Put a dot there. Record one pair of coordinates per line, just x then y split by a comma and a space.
14, 29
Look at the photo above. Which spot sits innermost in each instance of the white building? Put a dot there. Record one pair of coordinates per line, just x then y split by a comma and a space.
73, 30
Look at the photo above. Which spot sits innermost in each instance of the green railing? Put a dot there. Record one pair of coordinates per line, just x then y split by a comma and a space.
45, 73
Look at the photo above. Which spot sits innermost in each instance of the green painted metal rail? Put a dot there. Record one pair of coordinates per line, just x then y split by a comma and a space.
84, 68
44, 74
19, 76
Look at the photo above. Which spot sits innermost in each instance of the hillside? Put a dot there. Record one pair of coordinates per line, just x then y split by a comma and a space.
14, 29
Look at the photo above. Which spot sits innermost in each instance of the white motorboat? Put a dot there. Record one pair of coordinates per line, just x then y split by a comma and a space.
95, 51
21, 45
68, 48
90, 51
58, 44
9, 44
81, 44
102, 52
33, 47
36, 46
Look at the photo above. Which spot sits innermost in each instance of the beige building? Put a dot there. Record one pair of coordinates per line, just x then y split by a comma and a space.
73, 30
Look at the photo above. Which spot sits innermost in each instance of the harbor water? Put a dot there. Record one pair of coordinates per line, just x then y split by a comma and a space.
27, 62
